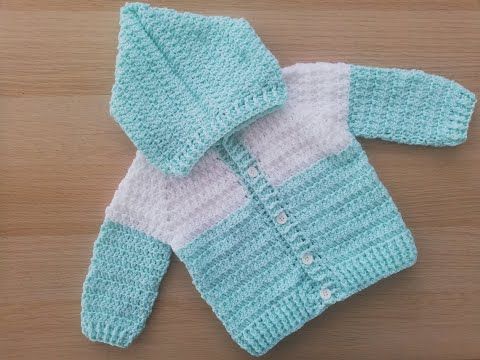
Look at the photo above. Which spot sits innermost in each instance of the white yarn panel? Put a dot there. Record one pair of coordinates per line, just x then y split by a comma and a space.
176, 209
139, 201
311, 126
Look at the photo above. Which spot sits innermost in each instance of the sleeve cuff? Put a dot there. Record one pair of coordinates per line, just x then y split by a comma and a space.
122, 283
108, 333
458, 115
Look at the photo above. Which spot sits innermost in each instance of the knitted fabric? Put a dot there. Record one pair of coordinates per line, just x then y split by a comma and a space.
183, 81
277, 221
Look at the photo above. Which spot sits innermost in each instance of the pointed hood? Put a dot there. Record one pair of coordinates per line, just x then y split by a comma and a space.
183, 81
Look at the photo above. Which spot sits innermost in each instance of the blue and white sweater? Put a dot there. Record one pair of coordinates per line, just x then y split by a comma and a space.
280, 218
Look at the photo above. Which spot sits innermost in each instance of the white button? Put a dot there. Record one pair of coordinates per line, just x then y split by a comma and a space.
307, 258
282, 218
325, 294
252, 172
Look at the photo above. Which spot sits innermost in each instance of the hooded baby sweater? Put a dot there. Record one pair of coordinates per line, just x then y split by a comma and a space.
275, 221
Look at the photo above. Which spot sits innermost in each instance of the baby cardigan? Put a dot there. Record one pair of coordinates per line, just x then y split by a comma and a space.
278, 220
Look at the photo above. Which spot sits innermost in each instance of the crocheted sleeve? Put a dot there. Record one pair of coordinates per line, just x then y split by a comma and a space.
129, 260
408, 106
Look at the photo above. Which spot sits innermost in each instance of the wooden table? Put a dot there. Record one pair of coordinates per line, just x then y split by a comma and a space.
62, 157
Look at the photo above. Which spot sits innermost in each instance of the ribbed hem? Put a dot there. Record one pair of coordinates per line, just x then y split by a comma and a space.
282, 319
238, 115
108, 333
354, 274
376, 263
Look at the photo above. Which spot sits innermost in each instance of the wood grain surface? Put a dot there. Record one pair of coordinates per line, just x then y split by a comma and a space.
62, 157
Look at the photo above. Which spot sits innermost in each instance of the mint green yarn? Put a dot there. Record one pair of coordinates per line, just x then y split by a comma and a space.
274, 225
408, 106
183, 81
122, 283
248, 267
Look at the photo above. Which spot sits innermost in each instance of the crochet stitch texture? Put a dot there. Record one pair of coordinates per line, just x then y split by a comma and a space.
183, 81
278, 220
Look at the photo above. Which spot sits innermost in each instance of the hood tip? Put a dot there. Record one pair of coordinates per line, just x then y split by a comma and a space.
130, 7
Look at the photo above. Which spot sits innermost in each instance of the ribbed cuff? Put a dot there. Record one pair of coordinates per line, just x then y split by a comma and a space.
122, 283
108, 333
459, 114
408, 106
